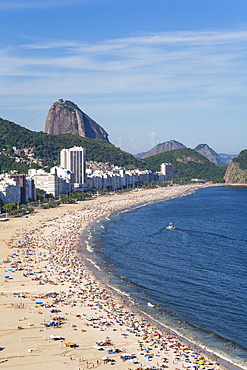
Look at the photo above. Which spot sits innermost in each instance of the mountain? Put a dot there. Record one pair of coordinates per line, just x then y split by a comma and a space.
187, 164
163, 147
140, 155
203, 149
47, 147
64, 117
227, 157
210, 154
236, 172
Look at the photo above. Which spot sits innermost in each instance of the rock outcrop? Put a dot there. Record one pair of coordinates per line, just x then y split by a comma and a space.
234, 175
65, 117
236, 172
164, 147
210, 154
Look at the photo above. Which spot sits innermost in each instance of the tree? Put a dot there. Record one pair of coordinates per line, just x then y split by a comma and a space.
10, 206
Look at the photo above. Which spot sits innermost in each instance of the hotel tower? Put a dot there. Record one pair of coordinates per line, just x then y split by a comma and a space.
74, 160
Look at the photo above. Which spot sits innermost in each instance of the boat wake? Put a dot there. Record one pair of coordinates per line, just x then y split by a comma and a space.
189, 231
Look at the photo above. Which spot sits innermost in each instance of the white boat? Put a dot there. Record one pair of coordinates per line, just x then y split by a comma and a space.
170, 226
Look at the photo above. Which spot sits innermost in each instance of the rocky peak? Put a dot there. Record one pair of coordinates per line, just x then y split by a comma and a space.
65, 117
164, 147
210, 154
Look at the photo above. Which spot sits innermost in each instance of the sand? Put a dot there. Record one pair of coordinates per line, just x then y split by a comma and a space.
54, 313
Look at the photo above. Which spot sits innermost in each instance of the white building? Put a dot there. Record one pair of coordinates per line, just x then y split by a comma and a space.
117, 178
74, 160
65, 179
45, 181
30, 190
10, 190
57, 182
166, 169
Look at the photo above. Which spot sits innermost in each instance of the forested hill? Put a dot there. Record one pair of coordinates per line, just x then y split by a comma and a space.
47, 147
187, 164
241, 159
236, 172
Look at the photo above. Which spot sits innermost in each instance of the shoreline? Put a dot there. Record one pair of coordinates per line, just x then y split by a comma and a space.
48, 274
164, 327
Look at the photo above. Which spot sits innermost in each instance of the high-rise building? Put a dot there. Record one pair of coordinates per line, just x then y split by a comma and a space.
166, 169
10, 190
30, 190
21, 179
74, 160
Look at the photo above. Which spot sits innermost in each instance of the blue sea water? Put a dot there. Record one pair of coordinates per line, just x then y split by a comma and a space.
194, 275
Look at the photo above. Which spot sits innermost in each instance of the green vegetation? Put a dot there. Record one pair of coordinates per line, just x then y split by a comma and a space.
8, 164
187, 165
241, 159
47, 147
14, 209
51, 204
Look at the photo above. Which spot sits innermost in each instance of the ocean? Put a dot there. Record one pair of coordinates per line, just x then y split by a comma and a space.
193, 278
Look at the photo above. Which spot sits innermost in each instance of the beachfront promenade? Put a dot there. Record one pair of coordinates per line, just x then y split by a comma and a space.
55, 314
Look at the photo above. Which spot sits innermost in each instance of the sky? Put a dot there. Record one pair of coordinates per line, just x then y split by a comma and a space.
147, 71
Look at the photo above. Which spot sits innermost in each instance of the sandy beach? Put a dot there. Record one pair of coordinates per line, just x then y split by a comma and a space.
53, 311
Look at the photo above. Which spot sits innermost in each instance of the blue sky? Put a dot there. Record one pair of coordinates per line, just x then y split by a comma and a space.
147, 71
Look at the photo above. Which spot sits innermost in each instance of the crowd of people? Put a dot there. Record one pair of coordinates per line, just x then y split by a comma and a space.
96, 327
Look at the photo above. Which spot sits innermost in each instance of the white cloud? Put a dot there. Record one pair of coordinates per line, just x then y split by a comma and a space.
148, 64
35, 4
152, 138
159, 77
